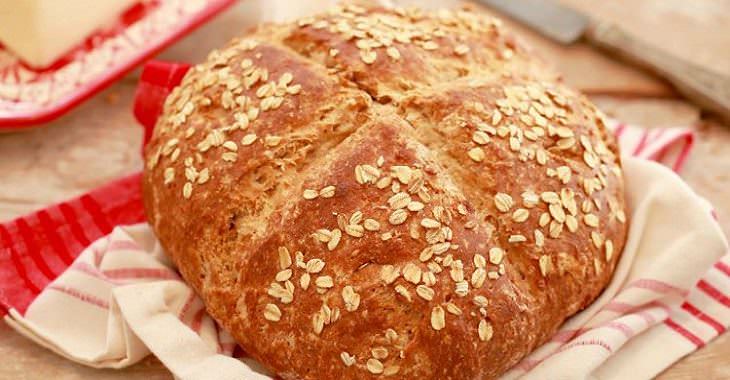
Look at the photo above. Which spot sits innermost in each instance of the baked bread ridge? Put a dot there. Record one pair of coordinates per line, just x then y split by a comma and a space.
375, 192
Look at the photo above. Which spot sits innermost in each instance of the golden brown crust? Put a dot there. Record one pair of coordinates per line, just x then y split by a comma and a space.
434, 213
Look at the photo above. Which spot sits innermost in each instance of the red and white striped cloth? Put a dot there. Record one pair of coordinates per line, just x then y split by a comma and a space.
87, 279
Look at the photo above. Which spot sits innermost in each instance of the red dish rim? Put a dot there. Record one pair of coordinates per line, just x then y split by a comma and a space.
29, 119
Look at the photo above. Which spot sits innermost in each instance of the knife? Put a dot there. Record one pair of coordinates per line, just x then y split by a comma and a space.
708, 89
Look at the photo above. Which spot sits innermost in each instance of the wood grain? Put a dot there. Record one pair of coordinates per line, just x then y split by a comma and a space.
703, 86
23, 360
100, 141
694, 30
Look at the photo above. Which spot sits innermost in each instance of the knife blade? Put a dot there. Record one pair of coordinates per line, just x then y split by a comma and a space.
706, 87
550, 18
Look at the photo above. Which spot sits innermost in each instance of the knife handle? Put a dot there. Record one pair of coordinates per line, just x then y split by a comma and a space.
709, 89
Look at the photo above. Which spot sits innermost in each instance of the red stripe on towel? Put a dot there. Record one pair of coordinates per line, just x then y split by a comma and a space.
642, 143
722, 267
684, 154
92, 300
73, 222
17, 263
564, 336
619, 307
697, 313
657, 286
32, 249
137, 273
50, 230
694, 339
590, 342
90, 270
119, 245
713, 292
186, 306
96, 213
198, 320
647, 317
113, 246
621, 327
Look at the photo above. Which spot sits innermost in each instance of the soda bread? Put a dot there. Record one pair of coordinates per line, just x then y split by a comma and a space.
375, 193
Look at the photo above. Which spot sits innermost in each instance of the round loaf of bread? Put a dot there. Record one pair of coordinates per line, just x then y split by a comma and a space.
385, 193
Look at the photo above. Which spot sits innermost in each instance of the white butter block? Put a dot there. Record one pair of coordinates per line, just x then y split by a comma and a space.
41, 31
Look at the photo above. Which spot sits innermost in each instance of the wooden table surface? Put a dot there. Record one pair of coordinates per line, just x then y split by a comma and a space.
99, 141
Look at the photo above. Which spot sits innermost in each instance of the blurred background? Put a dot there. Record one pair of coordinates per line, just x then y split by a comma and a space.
100, 141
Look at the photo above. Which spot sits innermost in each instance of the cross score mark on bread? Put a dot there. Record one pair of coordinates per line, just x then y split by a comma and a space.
374, 192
